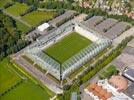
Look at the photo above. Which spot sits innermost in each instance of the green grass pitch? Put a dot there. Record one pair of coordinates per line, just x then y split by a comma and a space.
35, 17
7, 76
27, 90
17, 9
4, 2
67, 47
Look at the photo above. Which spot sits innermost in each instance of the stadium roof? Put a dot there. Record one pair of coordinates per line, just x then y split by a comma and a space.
35, 50
43, 27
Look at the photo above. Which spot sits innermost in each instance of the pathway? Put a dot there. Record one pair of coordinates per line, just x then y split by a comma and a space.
17, 18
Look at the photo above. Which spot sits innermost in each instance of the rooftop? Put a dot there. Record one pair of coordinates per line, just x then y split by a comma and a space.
130, 90
93, 21
106, 24
43, 27
117, 30
129, 50
124, 60
131, 43
129, 73
119, 82
103, 90
56, 20
99, 91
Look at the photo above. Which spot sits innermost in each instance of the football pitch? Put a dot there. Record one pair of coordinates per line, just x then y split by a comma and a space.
67, 47
17, 9
7, 76
36, 17
27, 90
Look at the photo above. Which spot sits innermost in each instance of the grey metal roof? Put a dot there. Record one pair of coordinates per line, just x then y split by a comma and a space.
106, 24
93, 21
67, 14
117, 30
130, 90
130, 72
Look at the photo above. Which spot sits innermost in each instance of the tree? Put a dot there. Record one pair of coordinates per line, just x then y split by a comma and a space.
10, 36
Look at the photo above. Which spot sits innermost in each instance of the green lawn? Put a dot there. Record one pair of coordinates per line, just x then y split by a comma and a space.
4, 2
67, 47
22, 27
34, 18
27, 91
7, 76
17, 9
111, 70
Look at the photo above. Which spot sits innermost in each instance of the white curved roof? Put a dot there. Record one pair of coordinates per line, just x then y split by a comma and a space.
43, 27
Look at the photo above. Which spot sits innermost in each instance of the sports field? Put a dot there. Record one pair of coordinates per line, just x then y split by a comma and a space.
7, 76
17, 9
35, 17
22, 27
67, 47
27, 90
4, 2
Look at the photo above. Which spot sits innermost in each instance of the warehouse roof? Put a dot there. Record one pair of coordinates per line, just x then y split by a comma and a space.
93, 21
106, 24
117, 30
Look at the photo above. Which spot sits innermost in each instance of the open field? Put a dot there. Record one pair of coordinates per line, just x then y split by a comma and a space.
29, 89
17, 9
67, 47
34, 18
3, 2
22, 27
7, 76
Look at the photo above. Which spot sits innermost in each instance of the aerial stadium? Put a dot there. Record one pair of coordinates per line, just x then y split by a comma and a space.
66, 49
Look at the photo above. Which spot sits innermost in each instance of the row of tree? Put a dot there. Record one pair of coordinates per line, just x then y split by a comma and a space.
10, 36
11, 88
29, 2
